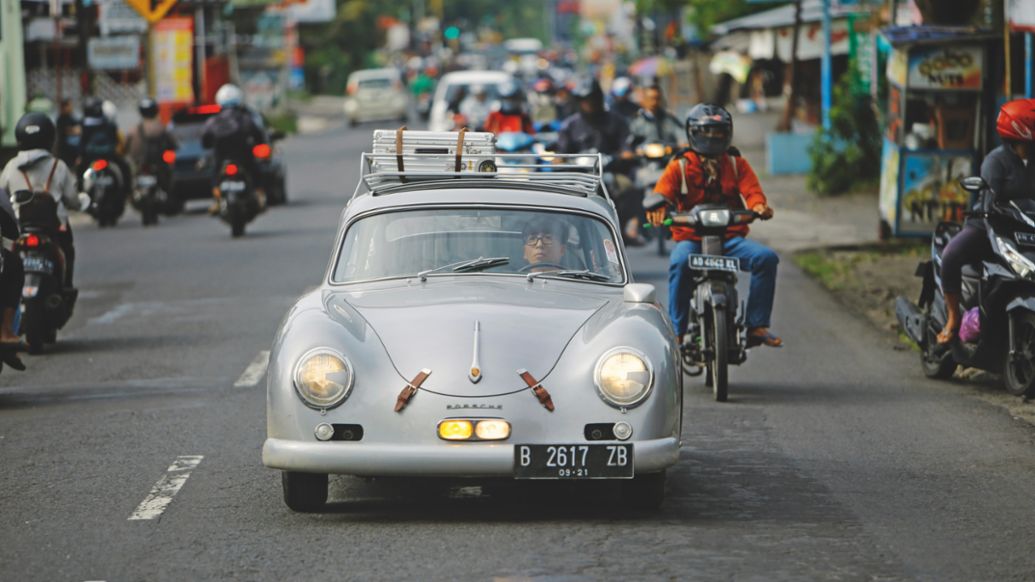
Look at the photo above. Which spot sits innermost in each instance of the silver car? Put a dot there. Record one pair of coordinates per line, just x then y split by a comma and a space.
475, 325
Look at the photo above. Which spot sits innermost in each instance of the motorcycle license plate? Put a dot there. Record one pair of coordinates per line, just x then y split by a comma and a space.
1025, 238
104, 180
38, 265
573, 461
146, 181
232, 186
714, 263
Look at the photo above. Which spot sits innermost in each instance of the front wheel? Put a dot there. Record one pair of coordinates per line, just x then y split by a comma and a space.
1019, 369
936, 361
719, 369
304, 492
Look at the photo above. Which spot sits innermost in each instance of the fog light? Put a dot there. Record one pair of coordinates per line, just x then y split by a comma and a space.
324, 431
623, 430
455, 430
492, 430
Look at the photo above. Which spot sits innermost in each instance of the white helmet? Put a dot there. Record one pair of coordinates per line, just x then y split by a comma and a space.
110, 110
229, 95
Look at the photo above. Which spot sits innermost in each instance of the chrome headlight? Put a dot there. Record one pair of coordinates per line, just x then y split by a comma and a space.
623, 377
1018, 262
714, 218
323, 378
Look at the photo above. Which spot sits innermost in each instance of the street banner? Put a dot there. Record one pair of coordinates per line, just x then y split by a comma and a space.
114, 53
946, 68
1021, 14
117, 17
172, 54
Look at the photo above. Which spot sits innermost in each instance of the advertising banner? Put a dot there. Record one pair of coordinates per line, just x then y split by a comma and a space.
931, 191
172, 51
946, 68
115, 16
114, 53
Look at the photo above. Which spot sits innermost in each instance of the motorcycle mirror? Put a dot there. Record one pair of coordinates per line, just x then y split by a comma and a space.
653, 201
973, 184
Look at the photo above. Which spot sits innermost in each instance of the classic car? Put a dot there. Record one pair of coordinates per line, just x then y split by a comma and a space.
474, 324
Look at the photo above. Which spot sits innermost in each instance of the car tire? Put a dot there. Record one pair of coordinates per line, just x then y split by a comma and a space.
646, 492
304, 492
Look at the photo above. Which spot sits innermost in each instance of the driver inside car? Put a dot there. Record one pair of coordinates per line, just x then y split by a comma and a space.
544, 244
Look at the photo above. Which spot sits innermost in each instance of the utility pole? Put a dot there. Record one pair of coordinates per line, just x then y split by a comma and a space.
792, 99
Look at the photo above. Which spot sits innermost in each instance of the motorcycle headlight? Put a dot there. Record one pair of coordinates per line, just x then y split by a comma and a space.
323, 378
654, 150
1018, 262
623, 377
714, 218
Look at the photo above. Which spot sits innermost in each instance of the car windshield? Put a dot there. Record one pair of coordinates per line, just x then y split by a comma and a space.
455, 90
431, 242
375, 83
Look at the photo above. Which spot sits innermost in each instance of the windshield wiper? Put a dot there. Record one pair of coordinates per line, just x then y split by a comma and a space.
467, 266
574, 274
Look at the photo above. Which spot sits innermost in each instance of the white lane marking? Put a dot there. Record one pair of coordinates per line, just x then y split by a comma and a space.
162, 493
255, 370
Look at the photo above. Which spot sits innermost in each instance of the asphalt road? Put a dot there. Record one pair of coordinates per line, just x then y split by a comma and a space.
834, 458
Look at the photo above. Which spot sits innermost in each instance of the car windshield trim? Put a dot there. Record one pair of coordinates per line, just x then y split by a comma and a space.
331, 278
466, 266
570, 273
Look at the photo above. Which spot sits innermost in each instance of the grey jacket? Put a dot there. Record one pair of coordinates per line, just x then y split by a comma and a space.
37, 164
665, 129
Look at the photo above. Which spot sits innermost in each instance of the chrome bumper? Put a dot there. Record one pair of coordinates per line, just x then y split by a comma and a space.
454, 460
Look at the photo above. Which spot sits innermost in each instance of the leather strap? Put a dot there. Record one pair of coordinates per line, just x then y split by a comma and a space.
399, 151
540, 392
410, 390
459, 149
50, 177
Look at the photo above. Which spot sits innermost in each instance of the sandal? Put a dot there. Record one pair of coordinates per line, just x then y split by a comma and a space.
761, 336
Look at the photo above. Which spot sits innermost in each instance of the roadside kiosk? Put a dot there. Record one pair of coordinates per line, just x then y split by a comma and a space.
933, 131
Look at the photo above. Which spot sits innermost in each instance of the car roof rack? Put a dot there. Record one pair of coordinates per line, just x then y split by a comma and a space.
402, 159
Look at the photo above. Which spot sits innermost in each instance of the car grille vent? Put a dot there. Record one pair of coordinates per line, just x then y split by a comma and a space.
601, 431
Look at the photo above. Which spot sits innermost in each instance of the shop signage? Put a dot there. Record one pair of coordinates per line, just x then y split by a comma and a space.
117, 17
1021, 14
114, 53
946, 68
172, 54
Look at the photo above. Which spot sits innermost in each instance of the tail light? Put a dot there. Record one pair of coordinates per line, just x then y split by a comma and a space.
99, 165
231, 169
206, 109
262, 151
169, 156
351, 89
30, 241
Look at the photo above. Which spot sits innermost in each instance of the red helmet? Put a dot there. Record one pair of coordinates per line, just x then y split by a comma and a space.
1016, 120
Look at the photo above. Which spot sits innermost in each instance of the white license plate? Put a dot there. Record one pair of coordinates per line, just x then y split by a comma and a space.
38, 265
713, 262
146, 181
104, 180
1025, 238
229, 186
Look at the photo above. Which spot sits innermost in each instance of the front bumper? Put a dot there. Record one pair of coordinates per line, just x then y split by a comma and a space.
442, 460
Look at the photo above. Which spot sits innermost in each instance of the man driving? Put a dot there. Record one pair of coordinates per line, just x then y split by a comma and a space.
544, 244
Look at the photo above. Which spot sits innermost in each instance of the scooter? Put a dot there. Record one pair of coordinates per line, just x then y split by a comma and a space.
238, 200
104, 183
654, 157
150, 193
1001, 289
716, 336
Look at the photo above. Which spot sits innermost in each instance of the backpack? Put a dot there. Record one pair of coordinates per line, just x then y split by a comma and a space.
98, 143
684, 188
225, 127
41, 207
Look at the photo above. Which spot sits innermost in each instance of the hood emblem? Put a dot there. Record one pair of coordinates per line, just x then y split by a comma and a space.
475, 375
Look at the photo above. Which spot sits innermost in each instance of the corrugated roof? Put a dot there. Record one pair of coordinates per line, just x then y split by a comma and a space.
783, 16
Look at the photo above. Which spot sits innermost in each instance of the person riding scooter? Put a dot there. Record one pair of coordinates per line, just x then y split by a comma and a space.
715, 173
509, 115
621, 101
1010, 174
232, 133
149, 140
35, 169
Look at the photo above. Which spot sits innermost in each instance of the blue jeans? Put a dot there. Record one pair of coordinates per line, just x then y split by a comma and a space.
754, 257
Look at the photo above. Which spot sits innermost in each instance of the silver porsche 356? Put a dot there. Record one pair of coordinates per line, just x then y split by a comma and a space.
474, 323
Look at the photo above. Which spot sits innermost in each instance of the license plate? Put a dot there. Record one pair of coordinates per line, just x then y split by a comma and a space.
38, 265
1025, 238
713, 262
146, 181
229, 186
104, 180
573, 461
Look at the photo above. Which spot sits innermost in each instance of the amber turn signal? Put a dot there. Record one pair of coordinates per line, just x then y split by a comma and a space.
455, 430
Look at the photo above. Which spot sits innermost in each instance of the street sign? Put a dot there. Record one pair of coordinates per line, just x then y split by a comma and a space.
114, 53
152, 13
117, 17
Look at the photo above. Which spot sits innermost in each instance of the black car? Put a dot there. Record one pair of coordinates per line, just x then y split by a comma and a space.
194, 169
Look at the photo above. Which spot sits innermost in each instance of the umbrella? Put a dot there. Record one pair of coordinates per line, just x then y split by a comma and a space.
651, 67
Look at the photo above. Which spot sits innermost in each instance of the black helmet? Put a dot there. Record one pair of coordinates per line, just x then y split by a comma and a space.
93, 107
34, 131
511, 98
148, 108
705, 115
588, 88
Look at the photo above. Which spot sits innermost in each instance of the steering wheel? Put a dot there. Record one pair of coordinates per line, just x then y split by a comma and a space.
531, 266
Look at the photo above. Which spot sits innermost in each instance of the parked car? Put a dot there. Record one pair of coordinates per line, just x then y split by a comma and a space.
452, 86
193, 168
503, 308
375, 95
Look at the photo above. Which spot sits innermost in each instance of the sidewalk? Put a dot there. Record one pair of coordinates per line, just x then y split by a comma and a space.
803, 220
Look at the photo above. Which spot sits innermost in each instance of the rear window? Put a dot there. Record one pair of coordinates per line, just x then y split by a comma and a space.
457, 91
379, 83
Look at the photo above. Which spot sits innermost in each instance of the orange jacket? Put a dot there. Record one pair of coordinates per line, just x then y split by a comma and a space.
499, 122
738, 188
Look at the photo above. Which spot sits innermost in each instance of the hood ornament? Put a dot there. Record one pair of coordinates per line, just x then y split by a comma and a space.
475, 375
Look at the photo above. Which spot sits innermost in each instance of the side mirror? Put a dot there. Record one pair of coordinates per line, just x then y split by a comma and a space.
974, 184
639, 293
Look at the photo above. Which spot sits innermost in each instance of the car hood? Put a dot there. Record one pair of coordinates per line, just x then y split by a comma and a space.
432, 325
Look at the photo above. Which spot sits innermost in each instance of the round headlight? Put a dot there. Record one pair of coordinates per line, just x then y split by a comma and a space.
623, 377
323, 378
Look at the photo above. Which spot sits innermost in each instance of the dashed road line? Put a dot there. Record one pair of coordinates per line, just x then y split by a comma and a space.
166, 488
255, 371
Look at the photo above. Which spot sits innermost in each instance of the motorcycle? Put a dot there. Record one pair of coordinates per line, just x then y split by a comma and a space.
150, 193
47, 303
654, 157
1001, 289
104, 183
716, 336
238, 200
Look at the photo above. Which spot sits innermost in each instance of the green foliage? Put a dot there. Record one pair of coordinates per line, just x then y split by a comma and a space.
705, 13
848, 155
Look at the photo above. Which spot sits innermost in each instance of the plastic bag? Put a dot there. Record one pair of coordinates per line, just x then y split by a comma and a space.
970, 330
